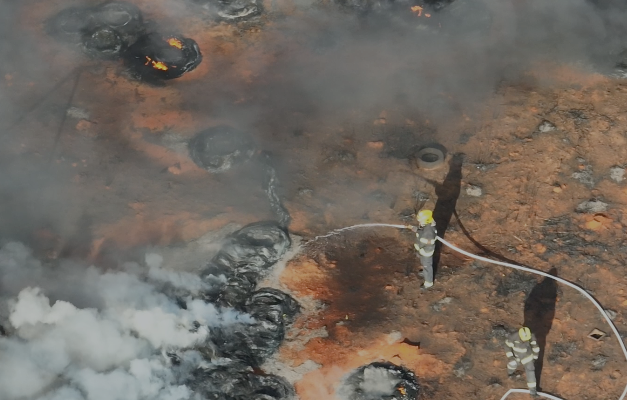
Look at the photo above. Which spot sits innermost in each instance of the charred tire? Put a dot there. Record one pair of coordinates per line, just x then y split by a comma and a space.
103, 43
272, 305
255, 247
381, 381
236, 382
220, 148
430, 158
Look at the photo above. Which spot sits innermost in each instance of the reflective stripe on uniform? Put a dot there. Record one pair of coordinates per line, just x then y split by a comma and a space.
536, 349
531, 385
525, 360
520, 349
427, 241
426, 253
533, 342
509, 354
510, 344
512, 364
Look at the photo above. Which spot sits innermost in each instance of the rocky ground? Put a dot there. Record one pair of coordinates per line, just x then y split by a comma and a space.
541, 183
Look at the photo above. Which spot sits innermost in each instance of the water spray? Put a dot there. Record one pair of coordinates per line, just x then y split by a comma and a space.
509, 265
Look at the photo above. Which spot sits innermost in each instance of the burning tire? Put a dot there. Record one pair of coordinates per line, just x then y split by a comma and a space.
155, 57
381, 381
220, 148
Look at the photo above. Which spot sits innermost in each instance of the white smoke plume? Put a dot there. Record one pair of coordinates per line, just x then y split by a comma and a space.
77, 333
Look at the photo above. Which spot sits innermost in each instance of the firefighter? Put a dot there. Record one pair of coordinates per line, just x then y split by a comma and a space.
522, 348
425, 244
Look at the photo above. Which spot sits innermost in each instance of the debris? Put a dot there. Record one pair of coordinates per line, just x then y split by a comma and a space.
394, 337
499, 332
592, 206
597, 222
599, 362
420, 196
411, 343
380, 381
462, 366
378, 145
305, 192
515, 282
437, 306
597, 334
340, 156
546, 126
561, 350
474, 191
617, 174
585, 176
611, 314
271, 187
77, 113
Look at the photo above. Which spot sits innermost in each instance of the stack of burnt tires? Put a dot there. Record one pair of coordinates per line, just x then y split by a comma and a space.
244, 259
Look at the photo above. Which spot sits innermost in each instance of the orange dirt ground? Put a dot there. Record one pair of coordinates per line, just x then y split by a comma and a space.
129, 178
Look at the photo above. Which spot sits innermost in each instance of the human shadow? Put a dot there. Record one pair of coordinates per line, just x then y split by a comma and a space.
539, 314
447, 194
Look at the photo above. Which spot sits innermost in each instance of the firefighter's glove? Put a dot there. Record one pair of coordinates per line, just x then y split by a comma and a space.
412, 228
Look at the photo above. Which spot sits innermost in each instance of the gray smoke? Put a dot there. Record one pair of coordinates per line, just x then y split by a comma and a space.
113, 349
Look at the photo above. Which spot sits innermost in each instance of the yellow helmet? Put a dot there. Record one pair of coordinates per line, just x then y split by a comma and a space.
425, 217
524, 333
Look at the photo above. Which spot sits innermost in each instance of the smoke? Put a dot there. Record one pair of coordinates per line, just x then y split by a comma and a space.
378, 382
112, 349
80, 332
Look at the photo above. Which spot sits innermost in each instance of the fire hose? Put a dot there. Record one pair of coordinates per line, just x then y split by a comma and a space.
520, 268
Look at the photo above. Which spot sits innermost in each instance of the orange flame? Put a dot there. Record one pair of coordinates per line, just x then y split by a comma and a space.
175, 43
156, 64
418, 10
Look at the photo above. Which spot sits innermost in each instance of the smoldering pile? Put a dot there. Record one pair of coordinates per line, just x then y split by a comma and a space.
117, 29
221, 148
173, 335
380, 381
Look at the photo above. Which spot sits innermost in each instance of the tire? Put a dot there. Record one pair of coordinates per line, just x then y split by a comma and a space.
430, 158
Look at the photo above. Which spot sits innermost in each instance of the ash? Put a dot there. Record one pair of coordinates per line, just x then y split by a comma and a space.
380, 381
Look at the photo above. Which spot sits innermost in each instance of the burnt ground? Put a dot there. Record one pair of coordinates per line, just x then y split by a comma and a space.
119, 179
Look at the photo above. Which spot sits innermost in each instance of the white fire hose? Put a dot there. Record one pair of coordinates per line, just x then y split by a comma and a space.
520, 268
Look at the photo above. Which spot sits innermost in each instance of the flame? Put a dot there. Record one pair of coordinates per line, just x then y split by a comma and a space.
175, 43
418, 10
156, 64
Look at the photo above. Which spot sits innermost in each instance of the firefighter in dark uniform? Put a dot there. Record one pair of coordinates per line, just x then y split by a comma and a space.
522, 348
425, 244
